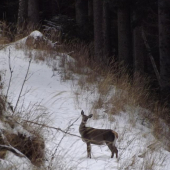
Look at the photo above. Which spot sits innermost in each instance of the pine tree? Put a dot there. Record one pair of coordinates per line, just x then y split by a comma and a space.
106, 30
164, 48
22, 15
81, 12
98, 29
33, 12
124, 34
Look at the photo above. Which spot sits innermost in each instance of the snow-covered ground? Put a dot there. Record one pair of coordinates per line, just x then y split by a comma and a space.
138, 149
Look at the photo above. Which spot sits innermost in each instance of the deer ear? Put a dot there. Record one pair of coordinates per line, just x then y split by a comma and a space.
82, 113
90, 115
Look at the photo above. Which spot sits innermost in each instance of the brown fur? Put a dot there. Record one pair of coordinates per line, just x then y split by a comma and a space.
115, 133
97, 136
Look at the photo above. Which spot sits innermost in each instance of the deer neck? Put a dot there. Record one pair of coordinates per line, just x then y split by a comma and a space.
82, 128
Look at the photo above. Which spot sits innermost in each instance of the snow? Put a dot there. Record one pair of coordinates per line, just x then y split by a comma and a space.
46, 89
14, 162
36, 34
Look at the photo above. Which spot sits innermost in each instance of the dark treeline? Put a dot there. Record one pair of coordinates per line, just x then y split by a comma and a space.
134, 32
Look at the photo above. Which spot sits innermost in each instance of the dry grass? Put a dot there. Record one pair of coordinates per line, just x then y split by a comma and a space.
80, 52
10, 32
118, 91
24, 30
32, 147
29, 140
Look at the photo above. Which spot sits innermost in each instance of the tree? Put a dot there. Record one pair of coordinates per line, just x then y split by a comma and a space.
139, 59
81, 7
106, 30
90, 9
53, 8
98, 32
8, 10
33, 12
164, 48
22, 15
124, 34
81, 12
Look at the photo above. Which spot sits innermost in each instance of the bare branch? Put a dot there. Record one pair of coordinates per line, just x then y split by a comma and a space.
11, 71
53, 155
25, 79
11, 149
51, 127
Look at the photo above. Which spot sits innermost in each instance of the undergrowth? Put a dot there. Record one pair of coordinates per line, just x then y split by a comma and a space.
118, 93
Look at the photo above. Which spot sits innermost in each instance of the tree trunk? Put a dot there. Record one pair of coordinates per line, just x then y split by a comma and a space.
33, 12
124, 36
164, 48
106, 30
81, 12
90, 9
138, 50
98, 34
53, 8
22, 15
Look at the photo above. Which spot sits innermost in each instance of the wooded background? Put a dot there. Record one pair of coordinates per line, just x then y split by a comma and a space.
135, 32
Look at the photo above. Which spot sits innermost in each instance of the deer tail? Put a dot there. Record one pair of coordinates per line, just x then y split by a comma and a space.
116, 137
115, 133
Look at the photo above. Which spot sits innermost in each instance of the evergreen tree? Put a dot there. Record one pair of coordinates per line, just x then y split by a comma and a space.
124, 33
98, 29
33, 12
22, 15
164, 48
81, 7
106, 30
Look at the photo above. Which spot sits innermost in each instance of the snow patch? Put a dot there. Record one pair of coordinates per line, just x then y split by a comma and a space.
36, 34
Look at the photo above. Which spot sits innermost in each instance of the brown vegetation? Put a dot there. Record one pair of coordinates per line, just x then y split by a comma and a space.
31, 146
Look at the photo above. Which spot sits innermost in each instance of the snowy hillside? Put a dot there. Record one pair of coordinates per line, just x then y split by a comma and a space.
60, 102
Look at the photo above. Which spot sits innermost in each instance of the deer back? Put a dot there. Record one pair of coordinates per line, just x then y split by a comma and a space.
98, 136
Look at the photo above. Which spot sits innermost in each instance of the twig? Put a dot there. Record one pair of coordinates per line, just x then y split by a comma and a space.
53, 155
11, 71
65, 134
70, 52
25, 79
130, 142
51, 127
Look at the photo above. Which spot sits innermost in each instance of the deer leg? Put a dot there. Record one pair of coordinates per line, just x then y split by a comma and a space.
115, 151
88, 150
110, 146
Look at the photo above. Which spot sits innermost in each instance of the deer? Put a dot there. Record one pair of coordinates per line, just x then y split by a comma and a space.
91, 135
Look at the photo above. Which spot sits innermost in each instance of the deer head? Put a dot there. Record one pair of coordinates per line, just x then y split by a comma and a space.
84, 117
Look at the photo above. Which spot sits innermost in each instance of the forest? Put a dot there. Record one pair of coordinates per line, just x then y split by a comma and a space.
132, 32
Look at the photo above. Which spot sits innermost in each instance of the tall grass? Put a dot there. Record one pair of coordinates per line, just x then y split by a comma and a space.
119, 91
